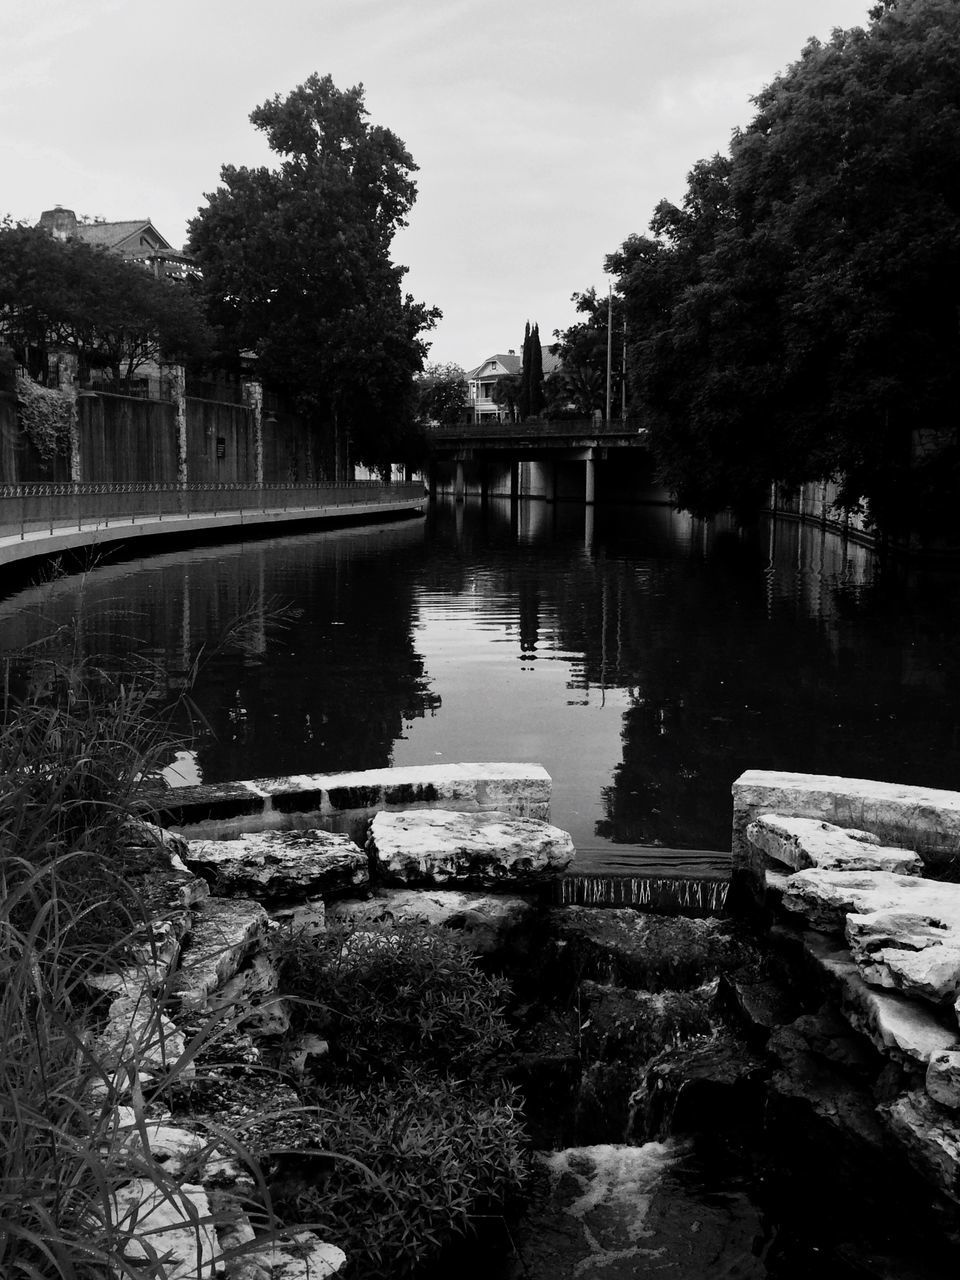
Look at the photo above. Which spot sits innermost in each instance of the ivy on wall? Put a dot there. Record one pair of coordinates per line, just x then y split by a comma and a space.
45, 417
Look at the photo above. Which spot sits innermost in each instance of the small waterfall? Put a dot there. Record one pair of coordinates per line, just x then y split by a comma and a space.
685, 895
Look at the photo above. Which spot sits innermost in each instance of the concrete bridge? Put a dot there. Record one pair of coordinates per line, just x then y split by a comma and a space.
581, 460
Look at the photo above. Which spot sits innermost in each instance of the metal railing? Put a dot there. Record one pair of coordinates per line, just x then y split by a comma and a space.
557, 429
38, 508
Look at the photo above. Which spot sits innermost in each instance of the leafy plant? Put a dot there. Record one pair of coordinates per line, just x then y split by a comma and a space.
45, 416
413, 1086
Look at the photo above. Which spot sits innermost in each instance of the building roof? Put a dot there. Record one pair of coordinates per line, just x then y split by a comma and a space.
112, 235
514, 364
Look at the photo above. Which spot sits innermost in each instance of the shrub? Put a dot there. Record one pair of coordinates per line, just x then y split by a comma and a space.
412, 1087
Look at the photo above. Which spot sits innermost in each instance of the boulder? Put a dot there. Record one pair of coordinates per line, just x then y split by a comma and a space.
809, 842
930, 1135
280, 864
251, 997
171, 1222
438, 846
488, 922
826, 897
225, 934
943, 1078
638, 949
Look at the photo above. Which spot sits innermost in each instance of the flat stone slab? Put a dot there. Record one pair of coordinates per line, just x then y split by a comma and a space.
801, 843
438, 846
485, 920
279, 864
225, 934
903, 1029
345, 800
826, 897
926, 819
173, 1223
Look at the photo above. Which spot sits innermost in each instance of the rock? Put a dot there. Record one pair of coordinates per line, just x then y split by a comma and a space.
756, 1004
809, 842
826, 897
437, 846
251, 996
302, 1256
904, 1030
916, 954
638, 949
280, 864
224, 935
307, 1046
308, 917
488, 922
943, 1078
139, 833
181, 1150
138, 1044
930, 1135
169, 1222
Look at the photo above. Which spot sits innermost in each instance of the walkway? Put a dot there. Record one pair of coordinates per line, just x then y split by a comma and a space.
46, 519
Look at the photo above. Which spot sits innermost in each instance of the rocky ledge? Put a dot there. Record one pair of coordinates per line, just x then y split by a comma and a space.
884, 943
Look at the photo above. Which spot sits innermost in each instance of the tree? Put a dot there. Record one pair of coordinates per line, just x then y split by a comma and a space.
442, 394
113, 315
506, 394
582, 349
530, 397
797, 317
296, 267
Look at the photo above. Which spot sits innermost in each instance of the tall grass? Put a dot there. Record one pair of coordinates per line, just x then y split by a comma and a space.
76, 741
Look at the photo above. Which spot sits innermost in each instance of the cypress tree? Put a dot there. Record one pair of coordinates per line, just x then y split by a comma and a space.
536, 372
523, 400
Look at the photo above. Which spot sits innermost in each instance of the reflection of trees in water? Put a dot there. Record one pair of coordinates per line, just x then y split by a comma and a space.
327, 690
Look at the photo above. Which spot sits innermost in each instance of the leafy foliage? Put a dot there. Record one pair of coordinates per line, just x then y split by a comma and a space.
296, 266
796, 317
45, 415
412, 1087
112, 314
442, 394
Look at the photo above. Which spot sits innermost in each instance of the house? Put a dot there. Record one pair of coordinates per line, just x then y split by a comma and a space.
137, 241
482, 382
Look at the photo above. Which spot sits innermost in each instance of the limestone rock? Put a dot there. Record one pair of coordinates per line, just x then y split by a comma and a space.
826, 897
930, 1136
437, 846
226, 933
138, 1043
171, 1222
251, 996
280, 864
301, 1257
308, 917
179, 1150
809, 842
905, 1030
943, 1078
486, 921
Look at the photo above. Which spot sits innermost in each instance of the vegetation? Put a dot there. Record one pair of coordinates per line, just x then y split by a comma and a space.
112, 315
412, 1087
45, 415
442, 394
530, 399
296, 267
795, 317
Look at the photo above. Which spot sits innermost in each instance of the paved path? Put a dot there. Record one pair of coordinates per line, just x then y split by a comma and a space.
15, 547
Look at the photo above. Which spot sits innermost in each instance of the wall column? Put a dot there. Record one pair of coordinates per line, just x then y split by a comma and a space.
253, 399
176, 381
68, 375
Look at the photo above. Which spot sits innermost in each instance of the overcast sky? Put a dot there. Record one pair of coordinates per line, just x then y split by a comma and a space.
545, 132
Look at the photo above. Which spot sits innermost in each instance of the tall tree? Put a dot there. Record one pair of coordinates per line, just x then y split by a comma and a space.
536, 372
797, 316
523, 398
296, 267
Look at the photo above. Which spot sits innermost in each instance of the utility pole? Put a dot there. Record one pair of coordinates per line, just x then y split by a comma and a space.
609, 347
623, 379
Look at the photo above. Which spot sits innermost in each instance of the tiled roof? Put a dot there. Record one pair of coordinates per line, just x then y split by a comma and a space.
110, 234
514, 364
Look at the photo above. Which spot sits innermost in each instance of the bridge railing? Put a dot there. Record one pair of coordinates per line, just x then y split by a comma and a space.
556, 428
32, 508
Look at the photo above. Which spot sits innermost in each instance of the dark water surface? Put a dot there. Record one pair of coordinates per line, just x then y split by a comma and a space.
644, 658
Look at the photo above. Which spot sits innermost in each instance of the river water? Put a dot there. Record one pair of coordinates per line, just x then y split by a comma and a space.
644, 658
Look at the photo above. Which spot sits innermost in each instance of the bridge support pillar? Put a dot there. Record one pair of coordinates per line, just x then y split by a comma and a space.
459, 486
590, 479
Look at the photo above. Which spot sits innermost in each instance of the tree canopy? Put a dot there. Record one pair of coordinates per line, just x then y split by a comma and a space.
296, 267
112, 314
442, 394
796, 317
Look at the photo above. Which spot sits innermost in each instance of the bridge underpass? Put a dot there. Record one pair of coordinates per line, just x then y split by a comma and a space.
553, 461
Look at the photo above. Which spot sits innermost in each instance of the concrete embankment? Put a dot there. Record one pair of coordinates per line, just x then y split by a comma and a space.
16, 547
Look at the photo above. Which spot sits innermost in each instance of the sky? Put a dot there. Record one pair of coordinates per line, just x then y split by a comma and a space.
545, 133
